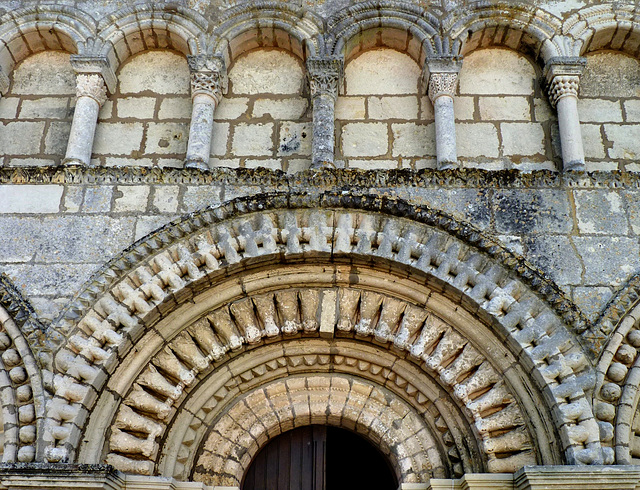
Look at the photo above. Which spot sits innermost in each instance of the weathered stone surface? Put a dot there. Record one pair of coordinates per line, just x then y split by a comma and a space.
496, 71
136, 107
292, 108
161, 72
219, 139
55, 141
413, 140
117, 138
350, 108
252, 139
131, 198
608, 260
365, 139
600, 212
522, 139
165, 198
592, 299
295, 139
45, 108
477, 140
610, 74
592, 141
532, 211
167, 138
97, 199
626, 144
21, 138
231, 107
598, 110
504, 109
27, 199
175, 108
393, 107
49, 279
198, 197
274, 72
46, 73
556, 256
380, 72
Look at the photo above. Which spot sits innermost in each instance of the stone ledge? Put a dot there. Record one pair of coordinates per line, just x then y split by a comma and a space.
464, 177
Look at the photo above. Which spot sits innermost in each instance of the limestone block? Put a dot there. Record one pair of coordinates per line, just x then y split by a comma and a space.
350, 108
106, 111
532, 211
463, 108
591, 300
295, 139
477, 140
522, 139
167, 138
600, 212
117, 138
252, 139
30, 198
45, 108
170, 162
123, 162
21, 138
293, 108
72, 199
504, 109
610, 74
496, 71
165, 198
147, 224
365, 139
198, 197
97, 199
270, 72
30, 162
224, 162
298, 165
543, 110
631, 110
55, 141
626, 141
592, 141
373, 164
470, 205
131, 198
49, 279
393, 107
45, 73
264, 163
231, 107
136, 107
175, 108
598, 110
608, 261
9, 107
413, 140
219, 139
556, 256
380, 72
160, 72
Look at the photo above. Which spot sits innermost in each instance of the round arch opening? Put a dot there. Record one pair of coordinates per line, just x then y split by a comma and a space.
318, 457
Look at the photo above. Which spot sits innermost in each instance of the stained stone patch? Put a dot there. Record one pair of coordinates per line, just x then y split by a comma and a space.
608, 260
592, 299
45, 73
49, 279
131, 198
601, 212
165, 138
531, 211
610, 74
97, 199
55, 141
556, 256
165, 198
295, 139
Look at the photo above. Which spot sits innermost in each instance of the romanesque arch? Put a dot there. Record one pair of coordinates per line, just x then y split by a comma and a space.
21, 386
432, 311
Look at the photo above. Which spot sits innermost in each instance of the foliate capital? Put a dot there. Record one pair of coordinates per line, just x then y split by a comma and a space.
562, 76
98, 65
91, 85
325, 74
208, 76
440, 75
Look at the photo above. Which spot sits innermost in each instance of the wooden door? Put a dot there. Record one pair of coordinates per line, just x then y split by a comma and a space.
293, 461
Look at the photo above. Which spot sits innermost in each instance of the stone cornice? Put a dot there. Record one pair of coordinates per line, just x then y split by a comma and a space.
427, 178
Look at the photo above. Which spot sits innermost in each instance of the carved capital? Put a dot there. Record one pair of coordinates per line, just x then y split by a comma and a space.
99, 65
325, 74
440, 75
208, 76
91, 85
562, 76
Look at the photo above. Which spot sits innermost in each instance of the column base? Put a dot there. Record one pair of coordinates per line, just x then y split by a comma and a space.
197, 164
75, 161
447, 165
577, 166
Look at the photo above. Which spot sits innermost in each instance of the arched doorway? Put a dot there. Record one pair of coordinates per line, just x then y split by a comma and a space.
317, 458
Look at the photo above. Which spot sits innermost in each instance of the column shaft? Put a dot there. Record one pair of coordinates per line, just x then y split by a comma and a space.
323, 142
570, 133
446, 150
91, 93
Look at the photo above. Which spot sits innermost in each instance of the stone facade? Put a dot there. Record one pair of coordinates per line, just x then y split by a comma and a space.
418, 221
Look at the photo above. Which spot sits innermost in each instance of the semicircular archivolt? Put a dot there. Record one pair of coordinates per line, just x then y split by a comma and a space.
409, 330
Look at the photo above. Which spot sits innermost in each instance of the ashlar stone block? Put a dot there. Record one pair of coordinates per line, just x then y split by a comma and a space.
165, 198
270, 72
131, 198
350, 108
253, 139
295, 139
522, 139
496, 71
160, 72
175, 108
393, 107
21, 138
45, 108
608, 261
117, 138
293, 108
504, 109
8, 107
45, 73
626, 141
599, 110
21, 199
136, 107
477, 140
365, 140
380, 72
413, 140
167, 138
600, 212
631, 109
219, 138
231, 108
592, 141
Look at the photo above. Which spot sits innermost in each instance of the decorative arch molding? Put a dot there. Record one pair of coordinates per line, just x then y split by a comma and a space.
612, 26
382, 327
181, 260
21, 388
520, 27
26, 31
151, 26
616, 397
402, 26
271, 24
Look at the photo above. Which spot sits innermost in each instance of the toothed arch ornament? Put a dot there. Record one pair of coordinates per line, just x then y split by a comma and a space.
360, 293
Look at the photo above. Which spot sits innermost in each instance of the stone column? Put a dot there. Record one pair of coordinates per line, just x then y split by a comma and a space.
441, 76
93, 78
563, 79
325, 75
208, 80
